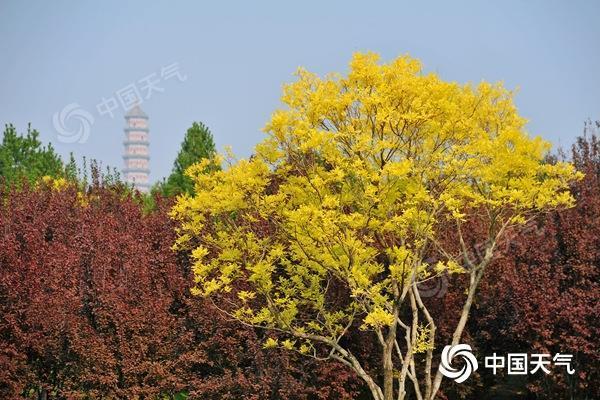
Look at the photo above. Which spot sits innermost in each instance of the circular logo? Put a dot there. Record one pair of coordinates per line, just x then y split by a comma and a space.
434, 287
83, 121
463, 351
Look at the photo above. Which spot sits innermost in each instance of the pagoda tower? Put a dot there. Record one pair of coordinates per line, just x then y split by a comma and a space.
137, 154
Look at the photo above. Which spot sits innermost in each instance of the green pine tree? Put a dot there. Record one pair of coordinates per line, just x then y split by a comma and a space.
197, 144
25, 157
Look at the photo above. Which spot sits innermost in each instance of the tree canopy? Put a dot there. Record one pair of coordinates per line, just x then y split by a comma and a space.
350, 190
25, 157
197, 144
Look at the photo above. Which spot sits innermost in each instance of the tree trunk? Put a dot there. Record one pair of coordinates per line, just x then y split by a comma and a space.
475, 278
388, 373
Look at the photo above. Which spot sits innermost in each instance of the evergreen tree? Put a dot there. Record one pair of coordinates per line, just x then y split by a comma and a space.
25, 157
197, 144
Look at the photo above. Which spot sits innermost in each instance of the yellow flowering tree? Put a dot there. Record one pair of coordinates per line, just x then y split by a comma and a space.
349, 190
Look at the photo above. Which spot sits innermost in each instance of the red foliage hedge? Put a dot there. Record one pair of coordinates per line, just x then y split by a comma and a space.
94, 304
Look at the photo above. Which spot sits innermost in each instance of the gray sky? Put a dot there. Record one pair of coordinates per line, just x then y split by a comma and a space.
233, 57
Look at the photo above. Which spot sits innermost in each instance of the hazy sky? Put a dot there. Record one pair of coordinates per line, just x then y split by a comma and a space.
233, 57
